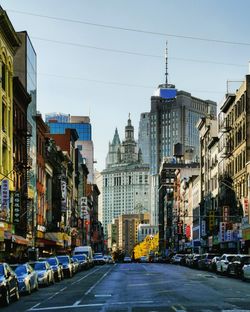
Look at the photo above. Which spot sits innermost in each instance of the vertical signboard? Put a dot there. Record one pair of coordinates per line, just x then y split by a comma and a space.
245, 206
84, 208
16, 208
203, 228
211, 220
222, 231
64, 196
225, 213
5, 199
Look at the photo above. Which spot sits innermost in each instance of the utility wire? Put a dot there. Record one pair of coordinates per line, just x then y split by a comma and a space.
132, 29
118, 83
134, 53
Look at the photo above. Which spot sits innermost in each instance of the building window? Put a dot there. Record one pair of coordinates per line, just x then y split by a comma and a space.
4, 76
3, 117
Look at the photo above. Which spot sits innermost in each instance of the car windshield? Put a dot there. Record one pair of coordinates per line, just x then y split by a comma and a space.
63, 259
79, 257
246, 260
40, 266
52, 261
98, 256
229, 258
20, 270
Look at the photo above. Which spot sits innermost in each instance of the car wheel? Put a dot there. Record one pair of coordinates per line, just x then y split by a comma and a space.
36, 286
28, 290
6, 298
17, 296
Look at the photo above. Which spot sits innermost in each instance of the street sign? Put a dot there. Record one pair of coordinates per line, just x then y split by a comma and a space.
16, 207
5, 197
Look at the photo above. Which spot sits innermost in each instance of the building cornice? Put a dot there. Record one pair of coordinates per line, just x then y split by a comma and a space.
8, 31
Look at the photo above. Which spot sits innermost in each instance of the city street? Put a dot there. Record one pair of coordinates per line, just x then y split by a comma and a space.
140, 287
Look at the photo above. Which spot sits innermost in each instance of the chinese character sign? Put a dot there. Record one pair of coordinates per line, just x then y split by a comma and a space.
16, 208
5, 200
222, 231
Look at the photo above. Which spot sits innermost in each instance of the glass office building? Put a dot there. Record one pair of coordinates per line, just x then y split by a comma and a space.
83, 130
25, 67
58, 122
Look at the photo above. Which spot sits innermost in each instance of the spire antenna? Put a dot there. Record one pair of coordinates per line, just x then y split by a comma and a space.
166, 60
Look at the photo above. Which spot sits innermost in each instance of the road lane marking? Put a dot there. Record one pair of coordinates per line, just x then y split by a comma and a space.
107, 295
82, 278
53, 295
63, 289
178, 308
68, 307
36, 305
100, 279
76, 303
90, 305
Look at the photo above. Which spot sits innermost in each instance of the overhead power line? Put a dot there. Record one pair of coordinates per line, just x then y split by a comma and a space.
122, 84
79, 45
132, 29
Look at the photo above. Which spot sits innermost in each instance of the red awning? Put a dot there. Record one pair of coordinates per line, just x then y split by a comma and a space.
19, 240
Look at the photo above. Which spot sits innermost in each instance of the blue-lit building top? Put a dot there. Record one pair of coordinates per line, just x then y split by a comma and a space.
59, 117
84, 130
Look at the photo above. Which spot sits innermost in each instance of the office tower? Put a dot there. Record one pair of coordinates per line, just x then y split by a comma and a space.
125, 179
58, 122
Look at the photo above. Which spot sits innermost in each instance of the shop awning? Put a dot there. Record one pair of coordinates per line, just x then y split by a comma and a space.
19, 240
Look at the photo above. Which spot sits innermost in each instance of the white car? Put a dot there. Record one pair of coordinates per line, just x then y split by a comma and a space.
176, 259
222, 263
246, 272
127, 259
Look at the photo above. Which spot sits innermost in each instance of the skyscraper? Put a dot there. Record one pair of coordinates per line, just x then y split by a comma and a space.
173, 118
125, 179
144, 137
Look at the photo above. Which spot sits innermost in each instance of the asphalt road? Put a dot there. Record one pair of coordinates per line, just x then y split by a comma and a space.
140, 288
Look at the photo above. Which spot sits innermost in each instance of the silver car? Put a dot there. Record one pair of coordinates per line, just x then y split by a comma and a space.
44, 272
246, 272
222, 263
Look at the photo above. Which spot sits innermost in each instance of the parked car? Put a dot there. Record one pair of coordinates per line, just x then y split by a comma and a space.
99, 259
246, 272
176, 259
67, 264
56, 267
144, 259
222, 263
83, 261
127, 259
205, 260
26, 276
236, 265
110, 260
44, 272
76, 265
212, 264
189, 258
8, 284
87, 250
194, 261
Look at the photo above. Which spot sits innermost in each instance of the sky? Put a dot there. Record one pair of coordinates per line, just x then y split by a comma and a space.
105, 59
